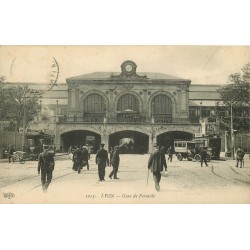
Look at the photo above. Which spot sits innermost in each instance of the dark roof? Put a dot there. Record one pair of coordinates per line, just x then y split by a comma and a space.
107, 75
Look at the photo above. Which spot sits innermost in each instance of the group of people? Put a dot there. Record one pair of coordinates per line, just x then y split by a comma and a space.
81, 158
102, 160
156, 163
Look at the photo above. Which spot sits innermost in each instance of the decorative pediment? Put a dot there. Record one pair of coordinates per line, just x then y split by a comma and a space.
128, 72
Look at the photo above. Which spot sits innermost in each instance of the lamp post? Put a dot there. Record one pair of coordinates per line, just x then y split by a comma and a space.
56, 111
24, 119
232, 133
200, 109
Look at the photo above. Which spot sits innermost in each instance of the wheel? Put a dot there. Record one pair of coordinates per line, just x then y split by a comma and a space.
197, 157
179, 157
22, 161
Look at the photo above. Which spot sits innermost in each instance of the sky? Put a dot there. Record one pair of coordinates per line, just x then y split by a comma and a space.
200, 64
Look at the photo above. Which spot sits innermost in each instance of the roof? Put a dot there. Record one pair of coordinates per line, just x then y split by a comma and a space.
205, 92
205, 95
107, 75
204, 103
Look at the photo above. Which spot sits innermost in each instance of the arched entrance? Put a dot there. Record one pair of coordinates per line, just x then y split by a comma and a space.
133, 142
167, 139
80, 138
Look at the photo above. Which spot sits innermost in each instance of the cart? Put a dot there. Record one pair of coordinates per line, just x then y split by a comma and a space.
19, 156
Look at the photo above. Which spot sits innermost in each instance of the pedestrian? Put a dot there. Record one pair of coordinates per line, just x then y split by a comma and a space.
11, 151
77, 159
170, 154
203, 154
115, 161
110, 155
102, 160
4, 152
155, 163
85, 157
239, 156
46, 164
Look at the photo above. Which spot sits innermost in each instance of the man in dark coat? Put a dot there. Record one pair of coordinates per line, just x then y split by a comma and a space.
11, 151
203, 154
170, 154
239, 156
46, 165
115, 161
85, 157
78, 159
155, 163
110, 155
102, 160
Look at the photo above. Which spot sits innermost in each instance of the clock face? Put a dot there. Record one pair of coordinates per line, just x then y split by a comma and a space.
129, 68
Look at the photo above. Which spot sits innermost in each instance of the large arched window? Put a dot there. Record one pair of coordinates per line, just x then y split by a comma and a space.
94, 108
162, 109
128, 109
128, 102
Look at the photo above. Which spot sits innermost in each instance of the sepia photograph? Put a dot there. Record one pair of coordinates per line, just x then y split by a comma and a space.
124, 124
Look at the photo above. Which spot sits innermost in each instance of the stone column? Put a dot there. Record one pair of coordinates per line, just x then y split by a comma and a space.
105, 140
152, 140
104, 136
77, 99
145, 102
73, 99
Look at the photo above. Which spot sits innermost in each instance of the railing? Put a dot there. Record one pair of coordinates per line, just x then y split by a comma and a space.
136, 119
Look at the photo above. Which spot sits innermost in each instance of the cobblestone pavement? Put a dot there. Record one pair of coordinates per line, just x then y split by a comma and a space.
185, 182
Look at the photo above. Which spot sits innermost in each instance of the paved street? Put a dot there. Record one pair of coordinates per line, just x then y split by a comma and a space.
186, 182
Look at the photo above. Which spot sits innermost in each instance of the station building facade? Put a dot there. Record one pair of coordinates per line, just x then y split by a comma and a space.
113, 107
110, 107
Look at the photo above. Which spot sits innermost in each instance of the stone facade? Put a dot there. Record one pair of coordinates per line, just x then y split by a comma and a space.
107, 104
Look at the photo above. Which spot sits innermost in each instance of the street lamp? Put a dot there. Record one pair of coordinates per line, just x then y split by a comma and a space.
200, 109
56, 111
232, 133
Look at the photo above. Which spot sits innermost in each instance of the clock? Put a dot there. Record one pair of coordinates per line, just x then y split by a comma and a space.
128, 68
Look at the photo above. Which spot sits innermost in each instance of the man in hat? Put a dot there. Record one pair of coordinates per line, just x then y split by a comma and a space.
203, 154
78, 159
102, 160
46, 165
170, 153
11, 151
85, 157
155, 163
239, 156
115, 161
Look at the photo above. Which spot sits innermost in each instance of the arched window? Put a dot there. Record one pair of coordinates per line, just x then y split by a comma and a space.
128, 109
94, 108
128, 102
162, 109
